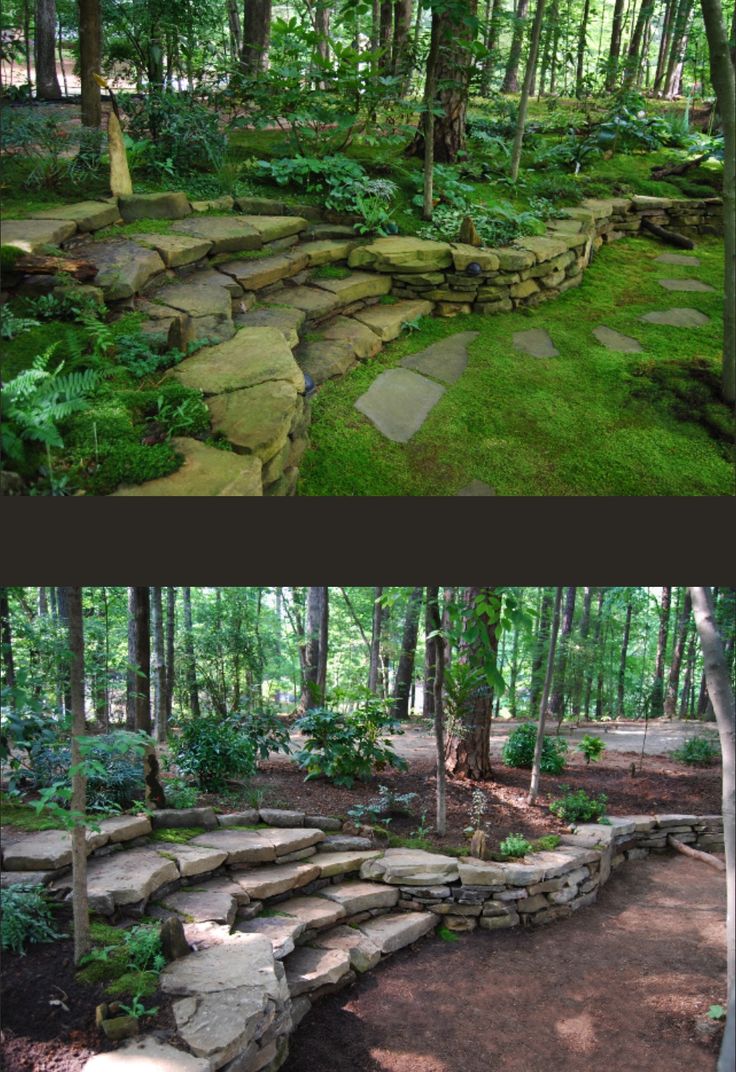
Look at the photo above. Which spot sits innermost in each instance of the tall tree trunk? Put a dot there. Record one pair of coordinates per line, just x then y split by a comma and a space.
531, 64
315, 666
374, 664
154, 793
633, 61
430, 652
510, 82
236, 33
158, 665
66, 686
664, 44
131, 680
400, 55
677, 47
493, 21
614, 50
686, 695
621, 690
657, 699
557, 703
190, 663
468, 750
721, 694
90, 61
537, 761
170, 668
434, 625
582, 43
724, 82
256, 36
584, 631
6, 639
537, 681
80, 910
673, 682
47, 83
405, 668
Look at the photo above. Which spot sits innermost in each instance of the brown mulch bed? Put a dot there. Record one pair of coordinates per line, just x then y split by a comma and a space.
624, 985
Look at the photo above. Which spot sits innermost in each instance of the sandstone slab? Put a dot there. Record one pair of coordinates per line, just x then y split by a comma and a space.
282, 817
309, 969
356, 286
328, 251
249, 817
46, 850
263, 271
364, 954
324, 359
463, 255
271, 228
281, 930
345, 843
445, 360
288, 841
176, 250
614, 340
243, 960
341, 863
313, 301
228, 234
362, 341
123, 268
397, 930
264, 882
256, 420
411, 867
191, 859
678, 318
254, 355
32, 235
685, 284
544, 249
165, 206
387, 321
360, 896
88, 215
147, 1054
402, 254
287, 321
474, 872
314, 912
219, 1027
124, 878
398, 402
184, 817
536, 342
205, 472
202, 906
241, 846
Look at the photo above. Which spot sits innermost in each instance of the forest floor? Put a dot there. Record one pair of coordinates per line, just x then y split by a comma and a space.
623, 984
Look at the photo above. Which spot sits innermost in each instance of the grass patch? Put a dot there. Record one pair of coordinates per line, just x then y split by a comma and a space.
331, 271
24, 817
178, 835
447, 935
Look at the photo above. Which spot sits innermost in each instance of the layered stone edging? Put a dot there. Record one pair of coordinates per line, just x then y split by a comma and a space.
191, 285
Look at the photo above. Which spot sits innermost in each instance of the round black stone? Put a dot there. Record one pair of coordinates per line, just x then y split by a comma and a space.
309, 385
473, 268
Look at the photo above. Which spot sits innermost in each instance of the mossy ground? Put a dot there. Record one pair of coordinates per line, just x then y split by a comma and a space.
178, 835
571, 425
24, 817
113, 966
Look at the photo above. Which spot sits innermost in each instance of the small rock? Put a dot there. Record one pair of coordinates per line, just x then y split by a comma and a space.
120, 1027
173, 942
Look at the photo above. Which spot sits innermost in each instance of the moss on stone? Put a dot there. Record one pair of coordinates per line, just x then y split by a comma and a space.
177, 835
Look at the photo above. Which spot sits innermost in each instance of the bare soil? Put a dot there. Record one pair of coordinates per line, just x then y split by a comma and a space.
623, 985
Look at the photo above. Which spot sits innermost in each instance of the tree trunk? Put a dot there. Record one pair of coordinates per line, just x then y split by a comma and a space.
721, 694
724, 82
158, 666
510, 82
584, 630
191, 666
154, 794
664, 44
537, 762
374, 665
90, 61
491, 42
47, 83
614, 50
66, 687
531, 64
557, 703
670, 700
315, 665
236, 33
536, 684
622, 663
633, 61
657, 700
170, 668
582, 42
256, 36
131, 681
430, 653
686, 695
6, 639
405, 668
434, 625
80, 910
677, 47
400, 55
468, 751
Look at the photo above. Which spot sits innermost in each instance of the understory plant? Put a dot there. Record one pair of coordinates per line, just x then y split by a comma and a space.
25, 917
698, 751
345, 747
215, 749
515, 845
113, 764
518, 751
591, 747
386, 804
576, 806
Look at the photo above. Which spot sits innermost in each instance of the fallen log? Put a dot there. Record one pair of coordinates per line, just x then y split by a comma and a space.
678, 169
672, 238
35, 264
705, 857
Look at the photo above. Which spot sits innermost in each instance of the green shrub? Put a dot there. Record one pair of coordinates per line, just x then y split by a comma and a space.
591, 747
698, 751
515, 845
25, 916
143, 946
346, 747
179, 794
578, 807
114, 776
546, 843
175, 135
213, 749
518, 751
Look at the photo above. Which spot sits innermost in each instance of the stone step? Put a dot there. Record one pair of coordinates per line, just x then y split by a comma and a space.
397, 930
281, 930
357, 897
253, 356
191, 859
345, 843
258, 846
314, 912
308, 969
197, 905
264, 271
354, 287
342, 863
49, 850
205, 472
262, 882
411, 867
388, 321
125, 878
363, 952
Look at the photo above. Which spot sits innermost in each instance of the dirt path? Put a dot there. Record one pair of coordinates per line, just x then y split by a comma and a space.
618, 986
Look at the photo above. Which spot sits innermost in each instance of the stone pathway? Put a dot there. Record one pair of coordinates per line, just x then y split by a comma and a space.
536, 342
677, 258
614, 340
685, 284
679, 318
398, 402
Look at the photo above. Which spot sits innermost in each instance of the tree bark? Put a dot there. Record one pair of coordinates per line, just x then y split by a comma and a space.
374, 665
405, 668
434, 625
657, 698
90, 61
158, 666
614, 50
153, 791
582, 42
557, 703
633, 61
47, 82
510, 82
64, 678
531, 65
256, 36
537, 681
6, 639
678, 648
664, 44
80, 910
315, 662
430, 653
191, 665
584, 631
170, 667
468, 751
537, 761
621, 688
721, 694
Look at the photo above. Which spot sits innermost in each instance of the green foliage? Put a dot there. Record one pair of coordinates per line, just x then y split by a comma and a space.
497, 223
515, 845
591, 747
331, 271
449, 189
716, 1012
345, 747
137, 1009
45, 144
114, 768
546, 843
387, 803
143, 947
25, 917
8, 257
12, 325
175, 134
577, 807
518, 751
447, 935
179, 794
335, 178
213, 750
178, 835
698, 751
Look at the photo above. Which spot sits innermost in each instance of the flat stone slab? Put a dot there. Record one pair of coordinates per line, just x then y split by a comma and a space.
395, 931
314, 912
387, 321
364, 954
355, 286
243, 960
88, 215
445, 360
264, 882
328, 251
263, 271
165, 206
241, 846
282, 817
195, 299
325, 359
309, 969
363, 342
678, 318
282, 932
256, 420
202, 906
476, 487
26, 878
311, 300
685, 284
341, 863
124, 878
345, 843
239, 818
288, 841
360, 896
205, 472
536, 342
677, 258
614, 340
146, 1054
228, 234
32, 235
176, 250
271, 228
123, 267
411, 867
221, 1026
663, 821
184, 817
474, 872
402, 254
47, 850
191, 859
253, 355
398, 402
287, 321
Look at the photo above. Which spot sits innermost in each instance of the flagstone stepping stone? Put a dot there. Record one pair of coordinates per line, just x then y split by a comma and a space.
176, 250
360, 896
313, 912
253, 355
146, 1054
411, 867
614, 340
221, 1026
328, 251
324, 360
46, 850
227, 234
340, 863
124, 878
209, 307
677, 258
205, 472
311, 300
356, 286
685, 284
309, 969
476, 487
202, 906
536, 342
282, 817
166, 818
398, 402
402, 254
32, 235
264, 882
263, 272
397, 930
678, 318
271, 228
282, 932
287, 321
191, 859
123, 268
241, 846
26, 878
257, 419
387, 321
249, 817
363, 342
166, 206
243, 961
364, 954
444, 360
88, 215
